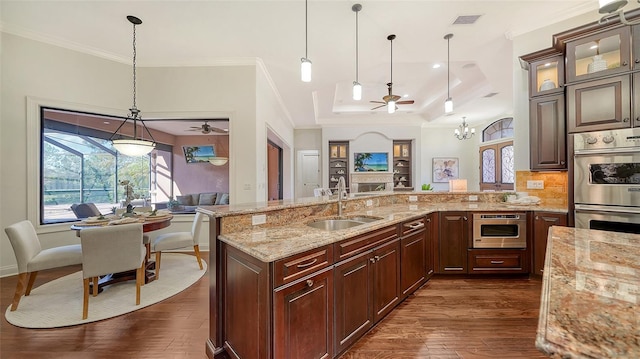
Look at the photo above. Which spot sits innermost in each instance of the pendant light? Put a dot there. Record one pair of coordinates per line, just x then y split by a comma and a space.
448, 104
462, 132
357, 87
613, 8
136, 146
305, 66
391, 104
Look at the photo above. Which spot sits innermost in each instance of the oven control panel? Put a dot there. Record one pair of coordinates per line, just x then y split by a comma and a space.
629, 137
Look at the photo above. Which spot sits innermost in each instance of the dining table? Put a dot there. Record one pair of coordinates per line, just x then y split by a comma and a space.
150, 222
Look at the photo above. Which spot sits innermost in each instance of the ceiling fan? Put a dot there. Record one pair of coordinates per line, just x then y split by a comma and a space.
206, 128
391, 100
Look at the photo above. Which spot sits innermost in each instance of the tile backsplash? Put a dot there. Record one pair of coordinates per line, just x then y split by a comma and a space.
555, 186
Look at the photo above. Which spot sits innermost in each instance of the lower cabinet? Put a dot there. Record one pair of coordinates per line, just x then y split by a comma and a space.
302, 316
453, 242
413, 256
542, 221
431, 227
494, 261
367, 287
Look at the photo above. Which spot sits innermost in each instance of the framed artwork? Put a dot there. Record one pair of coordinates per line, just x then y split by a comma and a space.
445, 169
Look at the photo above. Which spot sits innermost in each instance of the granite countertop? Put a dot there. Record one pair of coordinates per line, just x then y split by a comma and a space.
590, 295
272, 243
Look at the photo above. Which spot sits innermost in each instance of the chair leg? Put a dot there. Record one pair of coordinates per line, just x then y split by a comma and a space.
158, 257
148, 247
32, 278
85, 298
139, 281
196, 249
95, 286
22, 280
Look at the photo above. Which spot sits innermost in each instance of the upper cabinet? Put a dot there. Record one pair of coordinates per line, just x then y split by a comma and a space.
600, 54
602, 104
546, 72
402, 165
338, 163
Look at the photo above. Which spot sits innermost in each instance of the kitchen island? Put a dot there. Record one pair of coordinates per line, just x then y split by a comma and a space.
280, 288
590, 295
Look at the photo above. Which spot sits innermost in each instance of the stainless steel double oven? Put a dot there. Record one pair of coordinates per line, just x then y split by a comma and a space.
607, 180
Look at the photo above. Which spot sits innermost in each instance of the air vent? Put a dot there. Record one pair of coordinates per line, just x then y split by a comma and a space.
466, 19
490, 94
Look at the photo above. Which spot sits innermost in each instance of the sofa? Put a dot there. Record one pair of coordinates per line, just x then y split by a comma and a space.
189, 202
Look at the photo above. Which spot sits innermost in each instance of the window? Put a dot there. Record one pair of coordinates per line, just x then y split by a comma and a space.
79, 165
497, 159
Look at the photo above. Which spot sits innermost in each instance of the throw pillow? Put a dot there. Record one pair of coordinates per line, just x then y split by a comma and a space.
223, 198
184, 200
207, 199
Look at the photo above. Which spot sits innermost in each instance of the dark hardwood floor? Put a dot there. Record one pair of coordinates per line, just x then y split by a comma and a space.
447, 318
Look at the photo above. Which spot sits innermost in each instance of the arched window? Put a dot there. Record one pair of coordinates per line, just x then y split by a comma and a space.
503, 128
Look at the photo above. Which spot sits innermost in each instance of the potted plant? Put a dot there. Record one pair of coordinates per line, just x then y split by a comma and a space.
172, 205
427, 187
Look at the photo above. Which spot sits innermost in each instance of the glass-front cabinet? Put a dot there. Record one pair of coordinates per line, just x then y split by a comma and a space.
604, 53
402, 165
546, 76
338, 163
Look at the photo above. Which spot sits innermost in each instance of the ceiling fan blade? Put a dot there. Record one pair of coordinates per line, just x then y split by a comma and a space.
375, 108
377, 102
405, 102
218, 130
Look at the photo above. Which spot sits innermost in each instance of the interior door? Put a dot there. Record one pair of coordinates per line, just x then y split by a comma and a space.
308, 173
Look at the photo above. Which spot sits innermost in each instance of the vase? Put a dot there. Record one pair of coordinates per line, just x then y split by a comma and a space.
547, 85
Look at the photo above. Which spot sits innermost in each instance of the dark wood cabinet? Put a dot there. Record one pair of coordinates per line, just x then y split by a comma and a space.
547, 133
596, 105
338, 163
453, 243
598, 54
546, 72
386, 278
498, 261
303, 318
402, 175
542, 221
413, 256
635, 120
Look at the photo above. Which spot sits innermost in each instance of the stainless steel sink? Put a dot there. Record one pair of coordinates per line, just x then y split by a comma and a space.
334, 224
344, 223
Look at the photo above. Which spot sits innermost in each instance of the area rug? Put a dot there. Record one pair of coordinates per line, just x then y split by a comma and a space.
59, 303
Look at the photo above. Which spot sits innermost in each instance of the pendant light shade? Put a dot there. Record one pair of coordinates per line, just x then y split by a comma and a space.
357, 87
612, 9
305, 65
448, 104
391, 106
135, 146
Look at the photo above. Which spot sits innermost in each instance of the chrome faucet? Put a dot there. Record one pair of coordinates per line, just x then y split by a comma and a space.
342, 192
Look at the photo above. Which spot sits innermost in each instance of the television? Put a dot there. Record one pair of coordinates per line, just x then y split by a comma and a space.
371, 162
198, 154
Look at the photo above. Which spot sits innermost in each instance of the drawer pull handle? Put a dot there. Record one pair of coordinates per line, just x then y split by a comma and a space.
373, 260
310, 263
415, 225
377, 258
309, 282
497, 262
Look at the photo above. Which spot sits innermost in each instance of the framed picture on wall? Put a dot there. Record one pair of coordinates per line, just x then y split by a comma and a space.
445, 169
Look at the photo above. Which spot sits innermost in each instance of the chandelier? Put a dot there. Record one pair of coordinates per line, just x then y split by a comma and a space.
463, 132
135, 146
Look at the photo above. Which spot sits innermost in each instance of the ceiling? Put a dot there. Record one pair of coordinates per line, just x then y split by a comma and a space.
208, 33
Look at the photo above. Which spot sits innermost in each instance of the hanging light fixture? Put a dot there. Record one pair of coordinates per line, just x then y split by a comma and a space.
391, 104
613, 8
135, 146
448, 104
462, 132
305, 66
357, 87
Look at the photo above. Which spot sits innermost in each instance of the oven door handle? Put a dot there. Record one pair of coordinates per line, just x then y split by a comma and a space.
606, 151
596, 208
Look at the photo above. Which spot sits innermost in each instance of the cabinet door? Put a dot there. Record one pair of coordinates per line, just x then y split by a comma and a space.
599, 105
414, 261
352, 302
601, 54
546, 76
303, 318
432, 241
547, 133
386, 278
636, 96
453, 243
541, 224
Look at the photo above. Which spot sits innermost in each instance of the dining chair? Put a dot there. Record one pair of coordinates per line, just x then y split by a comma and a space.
177, 240
32, 258
111, 249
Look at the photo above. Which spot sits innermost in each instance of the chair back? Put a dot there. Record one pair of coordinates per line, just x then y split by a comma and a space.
111, 249
195, 228
25, 243
85, 210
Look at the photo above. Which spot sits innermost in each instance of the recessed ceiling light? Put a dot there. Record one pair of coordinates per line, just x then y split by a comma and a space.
436, 66
547, 64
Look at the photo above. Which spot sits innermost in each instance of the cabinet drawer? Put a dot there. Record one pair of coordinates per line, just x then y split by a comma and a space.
297, 266
498, 262
413, 226
352, 246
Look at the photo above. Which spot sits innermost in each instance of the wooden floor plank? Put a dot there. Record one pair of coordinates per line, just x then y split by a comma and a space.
448, 318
